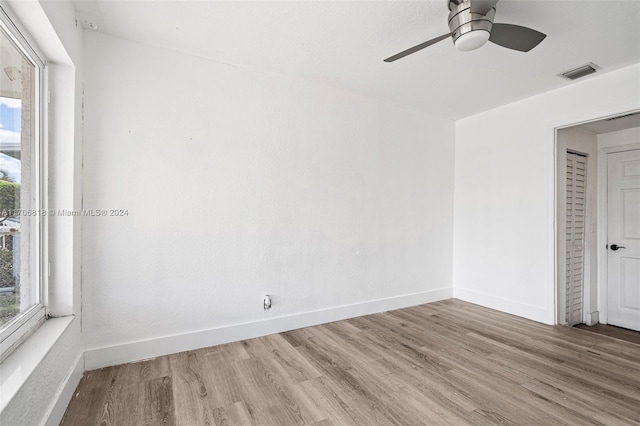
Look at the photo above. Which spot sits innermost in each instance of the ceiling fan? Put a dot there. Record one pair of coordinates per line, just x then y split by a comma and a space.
471, 26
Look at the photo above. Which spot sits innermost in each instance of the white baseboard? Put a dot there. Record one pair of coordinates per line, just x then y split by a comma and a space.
145, 349
65, 392
534, 313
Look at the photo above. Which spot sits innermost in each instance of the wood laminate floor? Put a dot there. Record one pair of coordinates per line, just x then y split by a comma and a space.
613, 331
448, 362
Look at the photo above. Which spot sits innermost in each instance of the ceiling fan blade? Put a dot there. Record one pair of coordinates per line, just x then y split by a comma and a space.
482, 6
414, 49
515, 37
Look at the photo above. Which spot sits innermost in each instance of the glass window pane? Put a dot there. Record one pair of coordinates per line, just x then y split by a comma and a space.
19, 287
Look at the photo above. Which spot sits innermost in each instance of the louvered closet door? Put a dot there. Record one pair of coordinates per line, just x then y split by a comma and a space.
576, 207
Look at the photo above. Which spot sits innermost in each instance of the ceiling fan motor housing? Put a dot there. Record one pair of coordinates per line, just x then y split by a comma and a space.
474, 28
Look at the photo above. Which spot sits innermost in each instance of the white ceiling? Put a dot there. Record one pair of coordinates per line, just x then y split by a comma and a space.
344, 43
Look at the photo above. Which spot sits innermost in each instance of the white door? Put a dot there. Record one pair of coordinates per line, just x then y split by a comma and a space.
575, 222
623, 227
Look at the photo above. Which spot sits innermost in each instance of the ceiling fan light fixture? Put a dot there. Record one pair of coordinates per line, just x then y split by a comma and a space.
471, 26
472, 40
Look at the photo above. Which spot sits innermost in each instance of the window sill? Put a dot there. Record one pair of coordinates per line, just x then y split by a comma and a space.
17, 367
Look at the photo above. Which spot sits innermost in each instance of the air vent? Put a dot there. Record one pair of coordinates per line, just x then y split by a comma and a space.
580, 72
622, 116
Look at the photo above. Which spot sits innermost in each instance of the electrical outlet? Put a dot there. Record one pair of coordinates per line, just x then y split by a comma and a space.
266, 302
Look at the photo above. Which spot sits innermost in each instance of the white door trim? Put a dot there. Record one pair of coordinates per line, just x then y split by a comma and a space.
603, 286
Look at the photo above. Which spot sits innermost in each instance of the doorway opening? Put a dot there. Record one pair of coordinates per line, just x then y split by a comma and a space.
588, 286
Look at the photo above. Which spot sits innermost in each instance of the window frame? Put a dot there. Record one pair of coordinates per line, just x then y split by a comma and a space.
24, 324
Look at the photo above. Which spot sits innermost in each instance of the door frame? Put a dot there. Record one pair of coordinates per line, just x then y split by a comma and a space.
600, 280
602, 251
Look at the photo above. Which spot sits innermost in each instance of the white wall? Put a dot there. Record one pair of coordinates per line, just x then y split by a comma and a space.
504, 192
240, 183
45, 392
584, 142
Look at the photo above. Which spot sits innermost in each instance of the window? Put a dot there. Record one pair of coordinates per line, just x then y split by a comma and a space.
22, 213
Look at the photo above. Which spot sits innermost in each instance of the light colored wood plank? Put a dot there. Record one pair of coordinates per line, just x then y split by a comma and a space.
281, 358
158, 405
194, 396
234, 414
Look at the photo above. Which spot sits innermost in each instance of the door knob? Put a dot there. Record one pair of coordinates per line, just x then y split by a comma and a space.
615, 247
